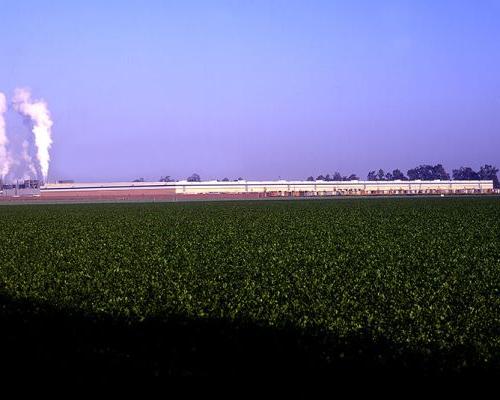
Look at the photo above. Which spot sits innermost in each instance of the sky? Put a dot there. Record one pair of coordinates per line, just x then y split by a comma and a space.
256, 89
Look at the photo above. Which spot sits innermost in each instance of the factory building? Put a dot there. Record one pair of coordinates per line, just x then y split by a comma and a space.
69, 190
257, 189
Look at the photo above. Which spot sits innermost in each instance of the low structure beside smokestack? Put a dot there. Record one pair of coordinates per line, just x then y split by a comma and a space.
25, 189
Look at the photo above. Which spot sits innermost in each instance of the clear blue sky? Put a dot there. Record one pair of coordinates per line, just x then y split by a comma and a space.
258, 89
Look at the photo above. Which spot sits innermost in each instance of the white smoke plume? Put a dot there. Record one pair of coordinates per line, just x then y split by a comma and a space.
5, 161
28, 160
38, 112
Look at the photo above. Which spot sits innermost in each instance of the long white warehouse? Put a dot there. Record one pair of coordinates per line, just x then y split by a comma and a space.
261, 188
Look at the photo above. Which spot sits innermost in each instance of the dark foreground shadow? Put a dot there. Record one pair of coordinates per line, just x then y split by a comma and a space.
37, 340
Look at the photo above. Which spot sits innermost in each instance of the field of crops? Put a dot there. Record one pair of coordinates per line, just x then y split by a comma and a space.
270, 286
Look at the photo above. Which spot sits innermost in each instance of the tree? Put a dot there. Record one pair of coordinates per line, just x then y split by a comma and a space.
138, 180
465, 174
166, 178
422, 172
380, 175
310, 179
440, 173
352, 177
194, 178
328, 178
412, 174
398, 175
336, 176
388, 177
489, 172
320, 178
225, 180
428, 173
372, 176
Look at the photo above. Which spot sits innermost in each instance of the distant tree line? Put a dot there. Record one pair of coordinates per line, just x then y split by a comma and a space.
486, 172
389, 176
227, 179
192, 178
336, 176
423, 172
433, 172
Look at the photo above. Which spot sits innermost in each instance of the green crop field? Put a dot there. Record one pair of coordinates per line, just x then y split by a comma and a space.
228, 287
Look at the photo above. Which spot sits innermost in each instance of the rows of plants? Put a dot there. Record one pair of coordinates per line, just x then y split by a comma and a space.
422, 275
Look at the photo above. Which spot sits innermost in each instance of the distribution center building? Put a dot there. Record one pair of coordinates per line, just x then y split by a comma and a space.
257, 189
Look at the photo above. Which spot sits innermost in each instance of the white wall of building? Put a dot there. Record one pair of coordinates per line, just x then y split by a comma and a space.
299, 187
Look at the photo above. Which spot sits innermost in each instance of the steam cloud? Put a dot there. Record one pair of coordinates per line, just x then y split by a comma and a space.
27, 158
4, 156
38, 113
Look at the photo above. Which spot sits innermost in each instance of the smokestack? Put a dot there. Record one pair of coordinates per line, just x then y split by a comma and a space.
38, 112
4, 157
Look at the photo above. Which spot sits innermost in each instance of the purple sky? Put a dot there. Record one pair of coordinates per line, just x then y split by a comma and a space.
258, 89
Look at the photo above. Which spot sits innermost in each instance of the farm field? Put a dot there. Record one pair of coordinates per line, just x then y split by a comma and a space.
352, 286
